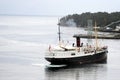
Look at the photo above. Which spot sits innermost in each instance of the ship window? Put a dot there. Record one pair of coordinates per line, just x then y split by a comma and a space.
72, 53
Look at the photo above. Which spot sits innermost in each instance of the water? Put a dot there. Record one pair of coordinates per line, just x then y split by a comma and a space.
23, 41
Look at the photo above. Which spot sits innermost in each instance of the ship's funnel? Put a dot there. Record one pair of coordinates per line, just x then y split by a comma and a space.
78, 41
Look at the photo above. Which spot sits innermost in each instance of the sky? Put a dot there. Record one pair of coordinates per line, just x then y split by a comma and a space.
57, 7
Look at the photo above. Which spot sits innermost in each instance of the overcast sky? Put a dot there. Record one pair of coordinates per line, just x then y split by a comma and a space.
57, 7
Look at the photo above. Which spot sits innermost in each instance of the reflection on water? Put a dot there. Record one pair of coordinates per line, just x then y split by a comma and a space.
81, 72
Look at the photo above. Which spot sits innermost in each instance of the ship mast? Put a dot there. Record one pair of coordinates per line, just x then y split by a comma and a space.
59, 34
96, 40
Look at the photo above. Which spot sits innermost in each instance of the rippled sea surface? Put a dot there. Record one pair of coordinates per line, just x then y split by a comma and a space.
24, 39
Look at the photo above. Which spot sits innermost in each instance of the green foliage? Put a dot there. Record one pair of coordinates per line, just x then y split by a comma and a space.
102, 18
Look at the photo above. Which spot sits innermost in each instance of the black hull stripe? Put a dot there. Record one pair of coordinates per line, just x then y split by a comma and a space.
79, 60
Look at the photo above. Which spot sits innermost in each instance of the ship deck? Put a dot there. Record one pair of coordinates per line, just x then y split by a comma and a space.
69, 54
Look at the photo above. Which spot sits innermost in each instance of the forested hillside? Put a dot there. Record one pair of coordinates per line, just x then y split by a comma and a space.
102, 18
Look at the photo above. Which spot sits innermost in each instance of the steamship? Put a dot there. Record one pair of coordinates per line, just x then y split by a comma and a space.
77, 53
